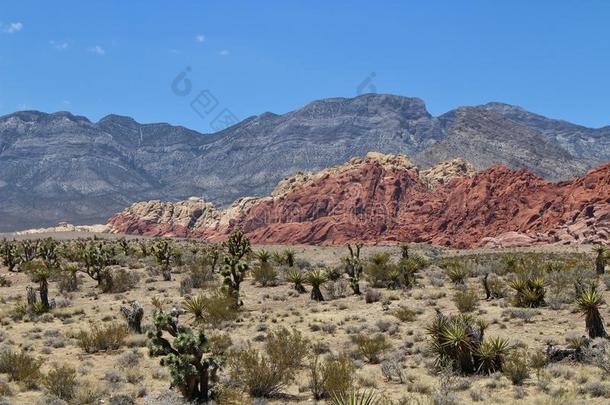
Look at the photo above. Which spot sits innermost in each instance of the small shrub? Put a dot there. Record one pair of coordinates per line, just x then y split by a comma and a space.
20, 367
515, 367
266, 374
371, 347
214, 309
4, 282
466, 300
372, 295
61, 381
102, 338
404, 314
330, 377
119, 280
264, 274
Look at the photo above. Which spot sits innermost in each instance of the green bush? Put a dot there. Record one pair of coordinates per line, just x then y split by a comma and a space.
331, 377
20, 367
61, 381
266, 374
102, 338
264, 274
371, 347
466, 300
404, 314
515, 367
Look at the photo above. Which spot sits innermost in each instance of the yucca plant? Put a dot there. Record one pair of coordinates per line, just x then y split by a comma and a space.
529, 290
289, 256
458, 341
263, 256
354, 267
457, 272
316, 278
297, 278
589, 303
600, 260
491, 354
356, 398
196, 307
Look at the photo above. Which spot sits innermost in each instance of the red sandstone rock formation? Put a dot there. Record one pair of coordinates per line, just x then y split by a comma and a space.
385, 199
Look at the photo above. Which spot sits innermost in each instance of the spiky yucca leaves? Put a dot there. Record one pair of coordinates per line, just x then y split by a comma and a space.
234, 269
289, 256
529, 289
458, 341
9, 254
354, 267
589, 303
263, 256
491, 354
457, 272
356, 398
316, 278
186, 353
297, 278
196, 307
600, 259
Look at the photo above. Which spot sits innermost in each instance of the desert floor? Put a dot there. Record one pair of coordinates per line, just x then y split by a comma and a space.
131, 371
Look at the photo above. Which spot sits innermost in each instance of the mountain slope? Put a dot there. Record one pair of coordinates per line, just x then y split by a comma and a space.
61, 167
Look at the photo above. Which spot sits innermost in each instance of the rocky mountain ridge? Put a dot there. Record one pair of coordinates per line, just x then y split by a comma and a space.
62, 167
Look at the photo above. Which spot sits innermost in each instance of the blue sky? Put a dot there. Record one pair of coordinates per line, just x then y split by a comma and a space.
99, 57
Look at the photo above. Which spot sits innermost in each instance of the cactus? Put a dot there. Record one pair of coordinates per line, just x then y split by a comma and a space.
133, 314
49, 251
188, 356
234, 268
9, 254
353, 267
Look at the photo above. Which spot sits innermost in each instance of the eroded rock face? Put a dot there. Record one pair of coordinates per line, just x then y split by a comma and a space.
384, 199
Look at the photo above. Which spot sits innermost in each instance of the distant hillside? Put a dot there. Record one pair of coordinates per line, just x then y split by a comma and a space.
61, 167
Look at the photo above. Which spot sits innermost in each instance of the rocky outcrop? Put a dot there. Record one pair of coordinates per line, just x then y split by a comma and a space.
386, 199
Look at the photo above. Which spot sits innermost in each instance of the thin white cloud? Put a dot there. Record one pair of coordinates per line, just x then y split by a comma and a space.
13, 27
60, 46
224, 52
98, 50
200, 38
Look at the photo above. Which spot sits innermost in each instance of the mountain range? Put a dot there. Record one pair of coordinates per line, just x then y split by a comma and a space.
63, 167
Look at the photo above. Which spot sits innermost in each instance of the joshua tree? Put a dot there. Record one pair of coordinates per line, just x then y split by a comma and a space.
404, 252
48, 251
124, 246
297, 278
186, 353
133, 314
40, 273
212, 253
164, 254
316, 278
96, 257
589, 302
28, 250
353, 267
600, 260
9, 254
234, 269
